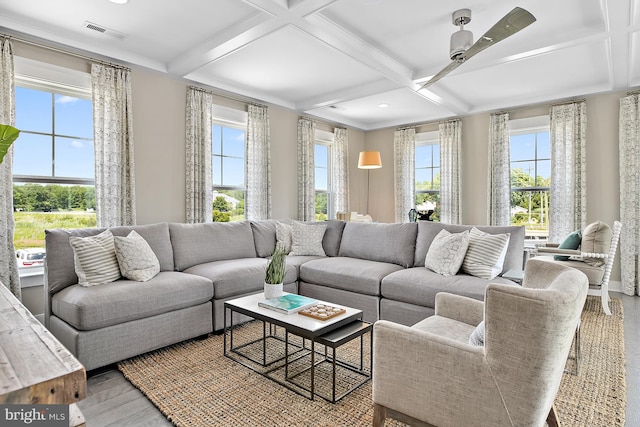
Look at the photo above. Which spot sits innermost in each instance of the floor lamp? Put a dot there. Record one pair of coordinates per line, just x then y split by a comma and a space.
369, 160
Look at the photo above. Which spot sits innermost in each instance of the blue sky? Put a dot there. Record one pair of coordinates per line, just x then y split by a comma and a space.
34, 153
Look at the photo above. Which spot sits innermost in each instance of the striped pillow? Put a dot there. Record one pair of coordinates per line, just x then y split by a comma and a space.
486, 254
95, 259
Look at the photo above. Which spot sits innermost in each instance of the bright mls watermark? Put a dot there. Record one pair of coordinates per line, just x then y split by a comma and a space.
34, 415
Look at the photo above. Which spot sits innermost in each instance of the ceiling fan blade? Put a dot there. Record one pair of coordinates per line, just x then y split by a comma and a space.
510, 24
446, 70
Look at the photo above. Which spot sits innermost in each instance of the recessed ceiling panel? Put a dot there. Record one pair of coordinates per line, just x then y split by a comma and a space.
574, 71
290, 64
160, 32
418, 32
402, 106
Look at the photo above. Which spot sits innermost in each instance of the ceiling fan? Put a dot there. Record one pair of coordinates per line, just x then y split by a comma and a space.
462, 46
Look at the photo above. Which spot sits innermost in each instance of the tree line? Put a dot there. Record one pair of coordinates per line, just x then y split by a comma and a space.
53, 197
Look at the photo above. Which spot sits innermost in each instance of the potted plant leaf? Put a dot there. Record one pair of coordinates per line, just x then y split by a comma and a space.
8, 134
274, 276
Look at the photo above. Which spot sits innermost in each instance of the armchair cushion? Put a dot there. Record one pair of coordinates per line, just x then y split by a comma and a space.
596, 238
572, 241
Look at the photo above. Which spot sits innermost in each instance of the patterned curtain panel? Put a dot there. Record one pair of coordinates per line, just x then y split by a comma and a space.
306, 171
113, 142
340, 170
629, 144
8, 263
199, 179
258, 197
568, 210
499, 200
404, 172
450, 195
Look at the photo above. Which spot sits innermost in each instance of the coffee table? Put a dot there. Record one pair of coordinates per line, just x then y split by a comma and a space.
287, 366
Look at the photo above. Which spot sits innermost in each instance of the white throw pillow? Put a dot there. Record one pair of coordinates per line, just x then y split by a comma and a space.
283, 236
486, 253
136, 258
477, 336
446, 252
306, 239
95, 259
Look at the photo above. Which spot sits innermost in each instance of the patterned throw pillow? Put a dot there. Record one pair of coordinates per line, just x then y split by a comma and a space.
136, 258
485, 256
95, 259
477, 336
446, 252
306, 239
283, 236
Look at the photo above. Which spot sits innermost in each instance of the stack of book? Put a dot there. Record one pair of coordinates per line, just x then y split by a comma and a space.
289, 303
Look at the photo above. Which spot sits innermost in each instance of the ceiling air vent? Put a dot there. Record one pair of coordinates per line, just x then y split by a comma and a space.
104, 30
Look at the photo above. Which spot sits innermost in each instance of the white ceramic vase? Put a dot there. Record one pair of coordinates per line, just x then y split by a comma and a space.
272, 290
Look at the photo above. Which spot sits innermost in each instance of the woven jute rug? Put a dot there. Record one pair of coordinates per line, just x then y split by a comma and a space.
194, 384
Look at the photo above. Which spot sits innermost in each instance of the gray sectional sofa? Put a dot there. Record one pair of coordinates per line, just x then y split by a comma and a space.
378, 268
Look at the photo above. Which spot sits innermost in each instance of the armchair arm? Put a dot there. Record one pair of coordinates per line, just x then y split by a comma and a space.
557, 251
460, 308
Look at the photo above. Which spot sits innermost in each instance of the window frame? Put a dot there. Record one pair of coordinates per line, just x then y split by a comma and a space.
531, 126
422, 139
326, 139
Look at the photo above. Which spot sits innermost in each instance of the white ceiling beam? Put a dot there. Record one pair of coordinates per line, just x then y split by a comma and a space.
618, 19
355, 92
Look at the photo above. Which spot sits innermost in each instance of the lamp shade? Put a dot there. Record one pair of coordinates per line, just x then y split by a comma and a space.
369, 160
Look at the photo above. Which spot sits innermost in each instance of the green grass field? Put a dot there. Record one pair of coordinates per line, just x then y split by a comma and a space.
30, 226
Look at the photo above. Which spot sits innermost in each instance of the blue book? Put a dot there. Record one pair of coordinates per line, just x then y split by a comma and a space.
289, 303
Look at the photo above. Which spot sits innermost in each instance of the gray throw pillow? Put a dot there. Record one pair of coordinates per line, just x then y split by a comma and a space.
283, 236
447, 252
477, 336
306, 239
136, 258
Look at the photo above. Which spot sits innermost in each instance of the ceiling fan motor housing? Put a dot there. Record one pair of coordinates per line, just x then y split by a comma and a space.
463, 39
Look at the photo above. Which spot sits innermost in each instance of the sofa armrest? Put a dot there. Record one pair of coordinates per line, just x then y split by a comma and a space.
460, 308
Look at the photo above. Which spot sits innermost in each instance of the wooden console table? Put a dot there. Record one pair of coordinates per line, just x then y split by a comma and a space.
34, 367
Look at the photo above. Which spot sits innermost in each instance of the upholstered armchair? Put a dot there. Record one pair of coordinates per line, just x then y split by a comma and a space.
593, 252
430, 373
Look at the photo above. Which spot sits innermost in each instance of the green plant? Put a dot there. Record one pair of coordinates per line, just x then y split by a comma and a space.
8, 134
277, 266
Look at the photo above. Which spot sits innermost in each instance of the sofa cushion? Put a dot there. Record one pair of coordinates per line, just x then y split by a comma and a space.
237, 276
596, 238
124, 300
392, 243
351, 274
94, 259
201, 243
427, 230
135, 257
157, 236
420, 285
447, 252
264, 236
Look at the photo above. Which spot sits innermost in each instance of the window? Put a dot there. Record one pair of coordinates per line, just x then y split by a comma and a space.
427, 199
323, 171
53, 165
229, 135
530, 176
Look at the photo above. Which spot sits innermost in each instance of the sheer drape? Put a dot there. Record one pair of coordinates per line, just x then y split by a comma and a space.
8, 264
450, 195
629, 145
499, 186
306, 171
404, 173
567, 193
199, 180
340, 170
258, 172
113, 142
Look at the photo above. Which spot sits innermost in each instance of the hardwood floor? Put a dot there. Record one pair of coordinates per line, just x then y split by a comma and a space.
113, 401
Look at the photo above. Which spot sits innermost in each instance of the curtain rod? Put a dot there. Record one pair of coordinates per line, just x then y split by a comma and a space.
334, 125
575, 101
224, 95
457, 119
55, 49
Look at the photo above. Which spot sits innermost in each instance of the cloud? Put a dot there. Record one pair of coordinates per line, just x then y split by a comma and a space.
65, 99
77, 144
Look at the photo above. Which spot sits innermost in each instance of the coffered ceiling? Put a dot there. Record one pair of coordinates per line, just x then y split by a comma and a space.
339, 60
